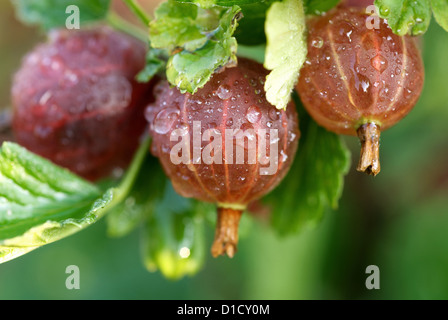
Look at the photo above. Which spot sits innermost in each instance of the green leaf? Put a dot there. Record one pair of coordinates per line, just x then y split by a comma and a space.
50, 14
173, 237
405, 16
286, 50
318, 7
41, 203
251, 28
199, 40
440, 10
314, 182
154, 64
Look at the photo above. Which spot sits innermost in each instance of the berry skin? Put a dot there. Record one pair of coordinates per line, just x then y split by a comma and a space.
76, 102
233, 99
359, 81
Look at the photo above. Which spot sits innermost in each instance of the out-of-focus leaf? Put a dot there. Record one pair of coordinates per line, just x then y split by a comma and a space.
314, 182
286, 50
141, 200
250, 29
200, 41
173, 236
319, 6
252, 52
440, 10
415, 238
405, 16
50, 14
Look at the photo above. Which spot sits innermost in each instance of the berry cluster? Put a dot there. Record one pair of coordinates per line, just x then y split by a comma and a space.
76, 103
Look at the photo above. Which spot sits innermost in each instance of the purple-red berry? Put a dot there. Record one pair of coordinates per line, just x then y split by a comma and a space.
76, 101
232, 102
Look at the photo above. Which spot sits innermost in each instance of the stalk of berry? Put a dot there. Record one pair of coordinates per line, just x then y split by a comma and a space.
232, 100
76, 101
359, 80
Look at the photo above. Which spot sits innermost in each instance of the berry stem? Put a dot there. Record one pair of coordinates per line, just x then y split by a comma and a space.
121, 24
369, 162
226, 235
138, 10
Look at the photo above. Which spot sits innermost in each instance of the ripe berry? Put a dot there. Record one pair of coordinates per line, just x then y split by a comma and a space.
76, 102
233, 99
359, 81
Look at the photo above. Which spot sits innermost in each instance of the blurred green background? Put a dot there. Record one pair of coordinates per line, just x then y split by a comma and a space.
397, 221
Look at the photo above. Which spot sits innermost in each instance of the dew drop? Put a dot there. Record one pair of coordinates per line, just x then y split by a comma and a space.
384, 11
42, 131
379, 63
283, 156
253, 114
224, 92
365, 85
165, 148
164, 120
407, 93
292, 136
274, 114
317, 42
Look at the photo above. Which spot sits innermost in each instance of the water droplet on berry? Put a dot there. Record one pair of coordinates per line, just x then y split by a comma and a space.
253, 114
283, 156
274, 114
292, 136
164, 120
379, 63
224, 92
317, 42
